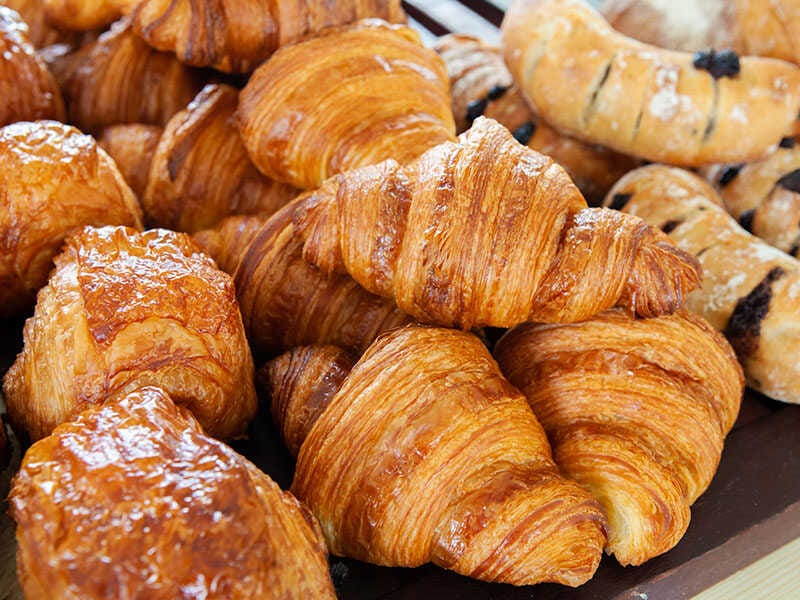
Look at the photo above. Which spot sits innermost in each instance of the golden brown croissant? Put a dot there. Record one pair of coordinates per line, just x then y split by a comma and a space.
133, 500
592, 82
54, 180
427, 454
238, 35
126, 309
751, 291
85, 15
636, 410
201, 173
488, 232
27, 88
352, 96
132, 147
480, 84
120, 79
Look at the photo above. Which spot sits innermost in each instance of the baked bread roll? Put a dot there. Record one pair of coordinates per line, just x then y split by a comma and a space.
352, 96
54, 181
427, 454
27, 88
132, 147
751, 291
592, 82
633, 413
488, 232
121, 311
236, 36
133, 500
201, 173
480, 84
85, 15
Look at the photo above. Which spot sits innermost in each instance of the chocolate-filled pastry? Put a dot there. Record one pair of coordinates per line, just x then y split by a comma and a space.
480, 84
27, 88
133, 500
425, 453
85, 15
352, 96
632, 413
237, 35
750, 292
201, 172
54, 181
485, 231
121, 311
132, 147
592, 82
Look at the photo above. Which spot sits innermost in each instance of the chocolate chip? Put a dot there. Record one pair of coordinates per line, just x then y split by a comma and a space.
729, 174
744, 326
746, 219
619, 201
791, 181
787, 142
670, 225
475, 109
496, 92
719, 64
524, 132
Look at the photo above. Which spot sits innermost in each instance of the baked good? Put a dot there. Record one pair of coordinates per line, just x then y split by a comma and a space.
85, 15
40, 32
132, 146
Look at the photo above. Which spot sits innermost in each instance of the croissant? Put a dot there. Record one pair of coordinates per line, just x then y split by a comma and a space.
132, 147
764, 196
426, 454
488, 232
120, 79
133, 500
286, 302
352, 96
751, 291
596, 84
54, 181
120, 311
85, 15
27, 88
40, 32
632, 414
236, 36
201, 173
480, 84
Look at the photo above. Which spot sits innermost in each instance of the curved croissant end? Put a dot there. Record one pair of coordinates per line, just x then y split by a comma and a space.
227, 243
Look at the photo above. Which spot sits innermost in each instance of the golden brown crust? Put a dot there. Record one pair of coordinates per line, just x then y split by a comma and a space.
85, 15
592, 82
40, 32
228, 241
120, 311
632, 414
201, 172
54, 180
132, 147
133, 500
426, 413
353, 96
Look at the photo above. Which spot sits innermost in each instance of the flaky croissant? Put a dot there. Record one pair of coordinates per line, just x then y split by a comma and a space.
132, 147
592, 82
352, 96
133, 500
27, 89
751, 291
121, 311
54, 180
636, 410
427, 454
85, 15
488, 232
237, 35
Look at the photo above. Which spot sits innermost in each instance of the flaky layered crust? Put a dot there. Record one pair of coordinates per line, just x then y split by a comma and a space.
53, 181
353, 96
85, 15
633, 415
426, 414
133, 500
121, 311
751, 291
132, 147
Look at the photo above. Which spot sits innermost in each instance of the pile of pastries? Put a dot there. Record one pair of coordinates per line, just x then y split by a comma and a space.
495, 337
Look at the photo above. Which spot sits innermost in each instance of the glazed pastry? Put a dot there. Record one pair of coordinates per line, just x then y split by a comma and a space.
54, 181
121, 311
286, 302
237, 36
132, 147
488, 232
133, 500
592, 82
352, 96
201, 172
764, 196
120, 79
27, 88
480, 84
632, 414
85, 15
751, 291
426, 414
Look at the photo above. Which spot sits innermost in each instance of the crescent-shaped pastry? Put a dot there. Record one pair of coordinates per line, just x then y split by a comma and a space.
132, 147
85, 15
